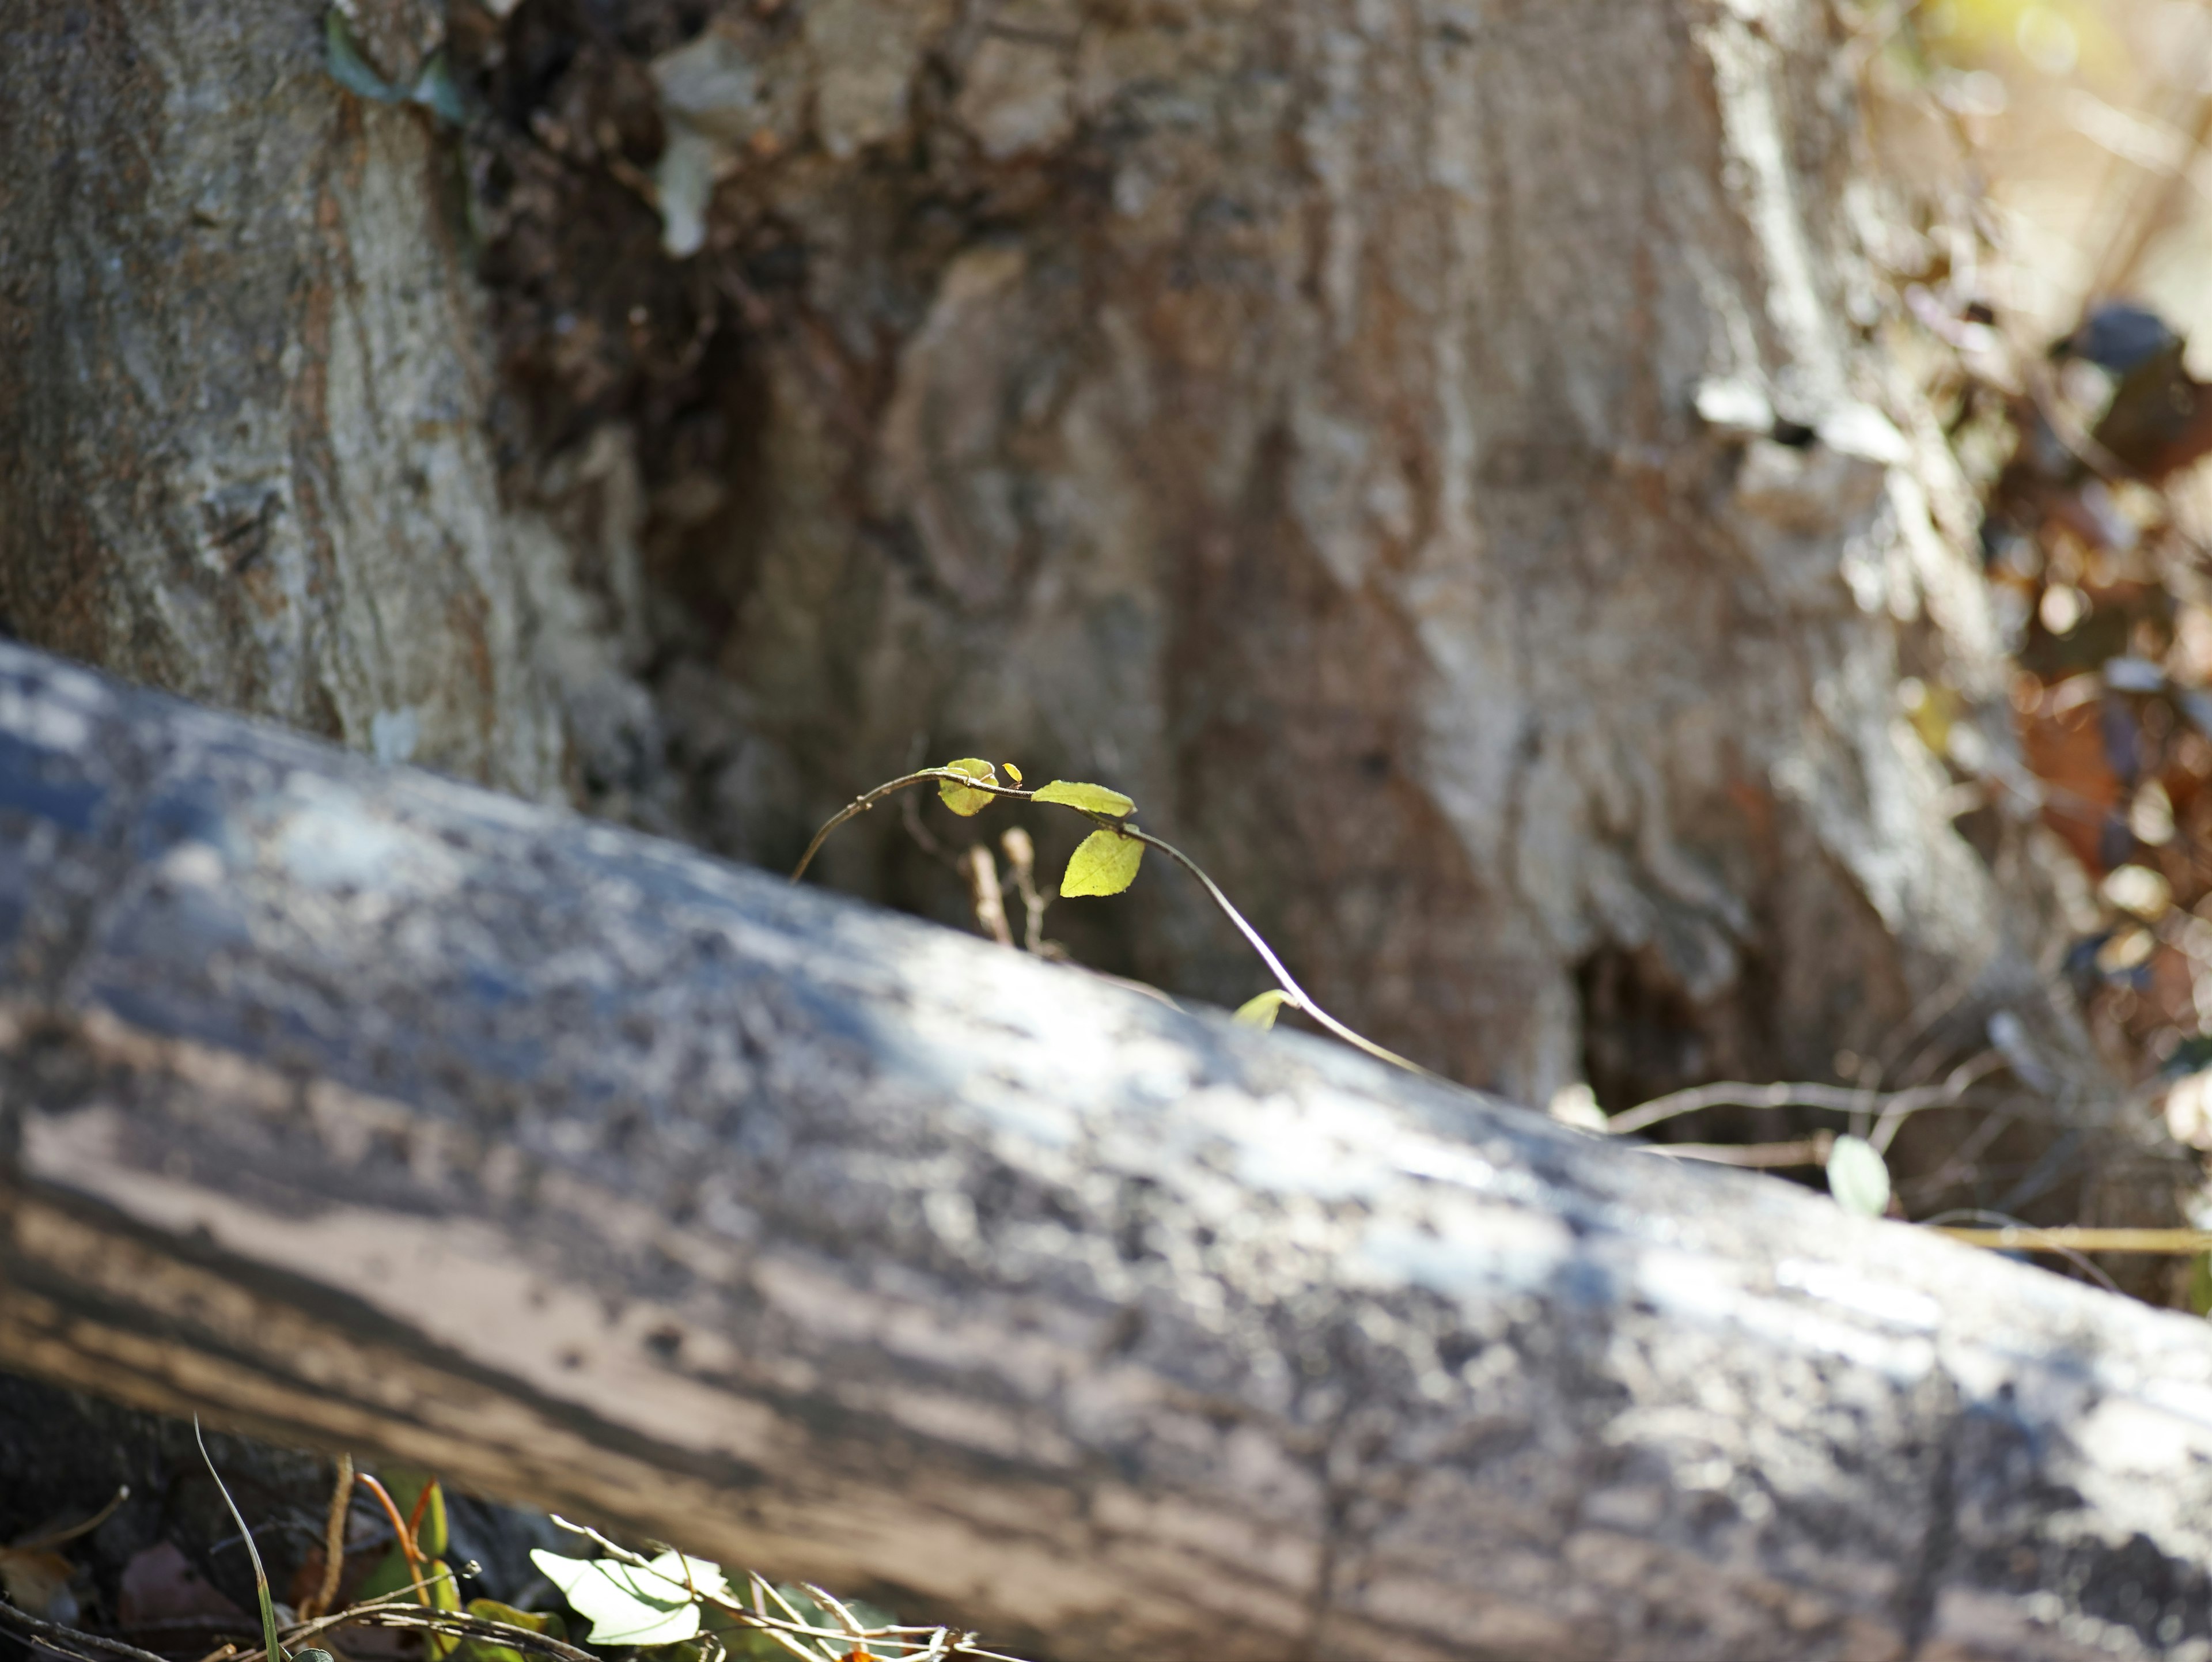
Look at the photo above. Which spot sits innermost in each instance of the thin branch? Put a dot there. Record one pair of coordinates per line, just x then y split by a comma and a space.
56, 1537
334, 1525
861, 805
1806, 1151
2083, 1238
1298, 996
54, 1633
1788, 1093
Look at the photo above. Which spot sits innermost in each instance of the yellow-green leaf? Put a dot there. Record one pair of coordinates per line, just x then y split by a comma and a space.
1093, 799
1260, 1012
1105, 863
961, 800
488, 1609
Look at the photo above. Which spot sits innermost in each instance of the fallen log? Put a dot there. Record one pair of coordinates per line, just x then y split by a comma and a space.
354, 1107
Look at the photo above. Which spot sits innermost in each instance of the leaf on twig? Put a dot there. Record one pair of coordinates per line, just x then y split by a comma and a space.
1104, 862
631, 1604
1261, 1012
961, 800
1857, 1177
1091, 799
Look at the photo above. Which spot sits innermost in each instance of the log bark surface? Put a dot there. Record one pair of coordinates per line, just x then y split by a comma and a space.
362, 1108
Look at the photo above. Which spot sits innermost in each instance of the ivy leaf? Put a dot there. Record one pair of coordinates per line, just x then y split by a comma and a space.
961, 800
1857, 1177
630, 1606
1260, 1012
1092, 799
1105, 863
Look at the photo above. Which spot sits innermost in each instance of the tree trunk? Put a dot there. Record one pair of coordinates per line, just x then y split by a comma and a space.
1289, 412
361, 1109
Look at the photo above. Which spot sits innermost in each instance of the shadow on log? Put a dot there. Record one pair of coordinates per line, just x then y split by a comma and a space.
357, 1108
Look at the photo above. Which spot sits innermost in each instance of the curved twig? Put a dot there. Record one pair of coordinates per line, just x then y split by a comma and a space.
1787, 1094
1298, 997
861, 805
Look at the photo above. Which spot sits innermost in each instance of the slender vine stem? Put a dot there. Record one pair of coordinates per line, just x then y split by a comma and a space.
1299, 998
861, 805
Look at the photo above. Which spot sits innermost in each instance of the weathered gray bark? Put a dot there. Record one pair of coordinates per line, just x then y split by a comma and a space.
246, 401
1285, 410
358, 1108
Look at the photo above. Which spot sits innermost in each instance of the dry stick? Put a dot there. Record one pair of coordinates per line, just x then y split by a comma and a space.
61, 1638
1806, 1151
2086, 1238
983, 884
333, 1542
1785, 1093
56, 1537
861, 805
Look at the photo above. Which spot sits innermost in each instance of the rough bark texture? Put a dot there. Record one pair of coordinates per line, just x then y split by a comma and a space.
1284, 410
359, 1108
247, 397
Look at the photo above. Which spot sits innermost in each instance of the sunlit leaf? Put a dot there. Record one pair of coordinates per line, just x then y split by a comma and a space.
1857, 1177
347, 66
1105, 863
630, 1606
1093, 799
959, 798
1260, 1012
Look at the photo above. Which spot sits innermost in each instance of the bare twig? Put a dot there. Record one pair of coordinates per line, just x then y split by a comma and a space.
334, 1524
54, 1538
983, 890
65, 1640
861, 804
2079, 1238
1806, 1151
1893, 1108
1298, 995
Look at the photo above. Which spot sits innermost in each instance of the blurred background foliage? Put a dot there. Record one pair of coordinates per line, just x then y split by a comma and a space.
2057, 275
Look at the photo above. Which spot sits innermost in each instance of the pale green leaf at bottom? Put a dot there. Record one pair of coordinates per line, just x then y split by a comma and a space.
1857, 1177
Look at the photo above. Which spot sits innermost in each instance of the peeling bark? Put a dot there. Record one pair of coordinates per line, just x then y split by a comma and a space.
363, 1109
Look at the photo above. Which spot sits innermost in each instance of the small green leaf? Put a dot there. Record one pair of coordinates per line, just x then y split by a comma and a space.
1092, 799
629, 1605
1260, 1012
1857, 1177
1104, 862
490, 1610
961, 800
347, 66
